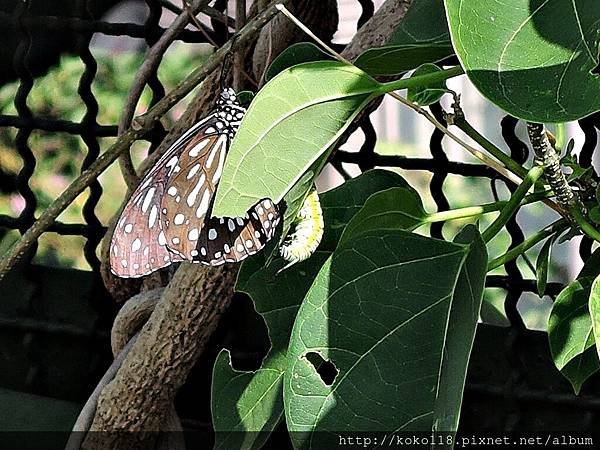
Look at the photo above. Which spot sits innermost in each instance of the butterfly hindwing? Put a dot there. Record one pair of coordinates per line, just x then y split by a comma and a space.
234, 239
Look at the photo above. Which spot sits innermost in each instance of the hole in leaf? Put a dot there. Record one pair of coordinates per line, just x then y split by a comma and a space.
326, 369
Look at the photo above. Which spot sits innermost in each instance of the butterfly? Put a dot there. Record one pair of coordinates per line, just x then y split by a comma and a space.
168, 217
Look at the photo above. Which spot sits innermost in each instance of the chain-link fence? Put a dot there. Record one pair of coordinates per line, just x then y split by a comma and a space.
512, 382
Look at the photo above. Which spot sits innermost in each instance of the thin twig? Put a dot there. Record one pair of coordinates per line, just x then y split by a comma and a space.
143, 125
238, 57
197, 23
208, 10
148, 67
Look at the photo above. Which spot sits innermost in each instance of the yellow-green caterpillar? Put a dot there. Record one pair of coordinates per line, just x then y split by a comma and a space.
307, 234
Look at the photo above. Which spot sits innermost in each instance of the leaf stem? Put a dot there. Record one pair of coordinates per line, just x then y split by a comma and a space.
513, 204
459, 120
513, 253
583, 223
472, 211
421, 80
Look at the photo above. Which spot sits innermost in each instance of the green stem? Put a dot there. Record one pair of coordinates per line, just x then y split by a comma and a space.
557, 226
472, 211
561, 136
513, 204
510, 163
585, 226
421, 80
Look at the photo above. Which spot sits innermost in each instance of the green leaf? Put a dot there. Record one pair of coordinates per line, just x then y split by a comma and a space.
541, 266
292, 122
260, 394
570, 332
246, 406
421, 37
425, 21
299, 53
398, 59
245, 97
581, 368
594, 305
377, 313
395, 208
428, 95
341, 204
462, 323
533, 59
591, 268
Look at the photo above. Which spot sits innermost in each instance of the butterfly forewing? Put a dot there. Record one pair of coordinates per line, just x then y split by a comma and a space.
190, 192
167, 217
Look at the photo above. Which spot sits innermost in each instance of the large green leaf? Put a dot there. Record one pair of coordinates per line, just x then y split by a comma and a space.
462, 323
378, 312
534, 59
341, 204
425, 21
395, 208
292, 122
248, 405
570, 333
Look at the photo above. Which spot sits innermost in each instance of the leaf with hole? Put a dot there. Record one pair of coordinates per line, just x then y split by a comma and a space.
247, 406
378, 314
536, 60
293, 121
570, 333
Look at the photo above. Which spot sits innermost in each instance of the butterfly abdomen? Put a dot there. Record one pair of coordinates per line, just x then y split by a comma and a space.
307, 234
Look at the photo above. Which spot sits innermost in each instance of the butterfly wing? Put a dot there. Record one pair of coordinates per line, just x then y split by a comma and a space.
138, 242
185, 206
234, 239
138, 245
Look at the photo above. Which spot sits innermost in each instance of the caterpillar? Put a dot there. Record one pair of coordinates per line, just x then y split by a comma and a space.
308, 231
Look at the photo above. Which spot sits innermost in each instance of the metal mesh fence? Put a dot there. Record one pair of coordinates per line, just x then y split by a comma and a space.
33, 29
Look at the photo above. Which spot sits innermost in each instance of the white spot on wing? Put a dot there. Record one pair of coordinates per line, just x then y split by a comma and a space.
179, 219
191, 199
136, 245
153, 215
195, 151
201, 211
212, 234
148, 199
